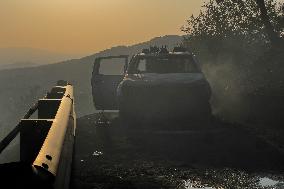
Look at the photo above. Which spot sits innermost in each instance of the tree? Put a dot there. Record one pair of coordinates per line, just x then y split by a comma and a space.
237, 42
274, 38
235, 26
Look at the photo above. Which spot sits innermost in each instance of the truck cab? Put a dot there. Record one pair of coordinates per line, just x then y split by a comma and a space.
154, 84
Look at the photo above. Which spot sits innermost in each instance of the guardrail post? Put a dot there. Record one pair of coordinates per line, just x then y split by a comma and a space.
32, 135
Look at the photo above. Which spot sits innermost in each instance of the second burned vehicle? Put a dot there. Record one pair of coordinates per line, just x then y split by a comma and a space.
155, 84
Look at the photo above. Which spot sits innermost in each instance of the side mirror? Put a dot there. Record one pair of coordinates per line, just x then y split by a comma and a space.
125, 69
125, 65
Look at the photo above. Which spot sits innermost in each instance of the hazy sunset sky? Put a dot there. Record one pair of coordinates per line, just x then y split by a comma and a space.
86, 26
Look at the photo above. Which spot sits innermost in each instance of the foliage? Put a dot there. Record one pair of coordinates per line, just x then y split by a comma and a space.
237, 55
232, 25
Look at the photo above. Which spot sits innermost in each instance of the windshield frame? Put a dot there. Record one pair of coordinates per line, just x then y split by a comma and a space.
133, 65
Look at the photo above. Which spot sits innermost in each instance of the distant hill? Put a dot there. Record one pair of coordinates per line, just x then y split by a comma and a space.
21, 87
21, 57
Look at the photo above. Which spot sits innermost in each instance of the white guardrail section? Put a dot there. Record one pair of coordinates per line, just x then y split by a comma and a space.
55, 155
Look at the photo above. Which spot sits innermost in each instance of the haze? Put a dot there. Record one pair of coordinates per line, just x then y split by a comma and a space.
85, 26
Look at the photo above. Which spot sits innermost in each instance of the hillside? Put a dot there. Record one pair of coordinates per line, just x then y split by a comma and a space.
21, 87
20, 57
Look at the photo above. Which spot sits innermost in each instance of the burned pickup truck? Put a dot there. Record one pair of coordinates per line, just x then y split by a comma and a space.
154, 84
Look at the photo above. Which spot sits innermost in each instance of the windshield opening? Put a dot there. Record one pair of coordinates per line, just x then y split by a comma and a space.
165, 65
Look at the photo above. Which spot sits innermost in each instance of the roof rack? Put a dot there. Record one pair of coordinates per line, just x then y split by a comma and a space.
163, 50
180, 49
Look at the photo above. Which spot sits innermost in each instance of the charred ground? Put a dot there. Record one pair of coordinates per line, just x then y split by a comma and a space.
171, 155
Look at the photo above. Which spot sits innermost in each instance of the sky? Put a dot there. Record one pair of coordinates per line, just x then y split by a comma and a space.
87, 26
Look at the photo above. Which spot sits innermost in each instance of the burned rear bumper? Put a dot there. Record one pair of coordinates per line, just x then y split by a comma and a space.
166, 101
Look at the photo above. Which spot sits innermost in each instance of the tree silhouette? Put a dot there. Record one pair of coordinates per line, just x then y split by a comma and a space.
274, 38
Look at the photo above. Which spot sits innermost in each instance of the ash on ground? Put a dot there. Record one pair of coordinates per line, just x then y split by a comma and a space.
173, 155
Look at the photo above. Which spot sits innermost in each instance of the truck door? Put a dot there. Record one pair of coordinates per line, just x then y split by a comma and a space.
108, 72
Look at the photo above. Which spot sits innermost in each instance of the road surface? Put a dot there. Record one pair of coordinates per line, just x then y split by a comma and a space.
172, 155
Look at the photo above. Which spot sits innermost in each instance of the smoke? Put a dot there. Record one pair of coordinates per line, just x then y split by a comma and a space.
228, 82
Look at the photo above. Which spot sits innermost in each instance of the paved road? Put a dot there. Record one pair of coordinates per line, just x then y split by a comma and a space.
173, 155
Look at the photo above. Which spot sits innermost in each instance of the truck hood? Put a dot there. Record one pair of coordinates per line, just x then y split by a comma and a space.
161, 79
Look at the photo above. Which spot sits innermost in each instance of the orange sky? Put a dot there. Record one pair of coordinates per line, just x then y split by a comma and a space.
86, 26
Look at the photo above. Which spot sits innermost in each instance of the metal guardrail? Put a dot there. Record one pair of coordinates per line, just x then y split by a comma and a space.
8, 139
46, 143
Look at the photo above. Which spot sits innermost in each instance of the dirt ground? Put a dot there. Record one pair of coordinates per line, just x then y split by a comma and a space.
173, 155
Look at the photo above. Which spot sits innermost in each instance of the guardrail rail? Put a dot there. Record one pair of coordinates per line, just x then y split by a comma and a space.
46, 143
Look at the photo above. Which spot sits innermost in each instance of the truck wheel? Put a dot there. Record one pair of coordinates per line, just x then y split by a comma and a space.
125, 113
206, 112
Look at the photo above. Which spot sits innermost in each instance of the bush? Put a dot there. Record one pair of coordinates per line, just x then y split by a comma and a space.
231, 41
